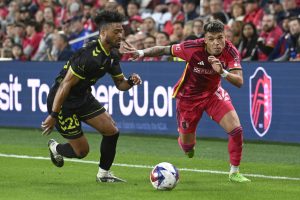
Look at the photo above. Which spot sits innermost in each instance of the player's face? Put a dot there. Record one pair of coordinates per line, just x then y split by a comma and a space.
114, 35
215, 43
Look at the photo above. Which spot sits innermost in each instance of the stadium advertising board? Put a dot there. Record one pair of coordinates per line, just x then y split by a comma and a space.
266, 103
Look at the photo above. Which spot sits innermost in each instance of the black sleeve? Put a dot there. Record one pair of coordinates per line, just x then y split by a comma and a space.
78, 68
115, 69
82, 65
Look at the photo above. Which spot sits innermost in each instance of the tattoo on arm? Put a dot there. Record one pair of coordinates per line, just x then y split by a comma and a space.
157, 51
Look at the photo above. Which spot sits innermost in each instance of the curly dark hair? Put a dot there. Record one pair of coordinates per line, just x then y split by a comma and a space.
214, 26
106, 17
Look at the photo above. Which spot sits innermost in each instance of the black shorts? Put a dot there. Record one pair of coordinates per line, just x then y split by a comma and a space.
69, 119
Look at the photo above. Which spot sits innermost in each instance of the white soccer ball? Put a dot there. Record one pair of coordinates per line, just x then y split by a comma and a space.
164, 176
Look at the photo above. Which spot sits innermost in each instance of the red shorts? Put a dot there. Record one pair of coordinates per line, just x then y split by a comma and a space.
189, 112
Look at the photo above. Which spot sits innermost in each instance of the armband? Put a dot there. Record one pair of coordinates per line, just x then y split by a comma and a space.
54, 114
141, 53
130, 81
225, 73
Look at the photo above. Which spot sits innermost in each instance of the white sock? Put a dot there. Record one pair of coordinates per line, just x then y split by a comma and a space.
53, 147
234, 169
102, 171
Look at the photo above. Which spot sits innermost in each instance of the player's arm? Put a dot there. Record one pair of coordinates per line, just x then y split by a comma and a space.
150, 52
62, 92
124, 84
235, 77
157, 51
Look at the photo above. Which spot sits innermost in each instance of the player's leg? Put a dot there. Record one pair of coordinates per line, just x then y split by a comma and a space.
231, 124
188, 116
95, 115
105, 125
69, 127
187, 142
222, 111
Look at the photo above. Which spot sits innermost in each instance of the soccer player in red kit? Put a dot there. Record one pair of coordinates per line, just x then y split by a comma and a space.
199, 89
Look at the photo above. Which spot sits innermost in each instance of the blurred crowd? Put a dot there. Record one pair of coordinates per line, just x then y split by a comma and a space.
51, 30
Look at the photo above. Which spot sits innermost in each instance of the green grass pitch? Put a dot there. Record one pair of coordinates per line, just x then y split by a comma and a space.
38, 179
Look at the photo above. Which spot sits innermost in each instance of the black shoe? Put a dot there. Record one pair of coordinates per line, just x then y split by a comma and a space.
108, 177
56, 159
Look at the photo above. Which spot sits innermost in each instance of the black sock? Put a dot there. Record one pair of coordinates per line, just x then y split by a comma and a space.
108, 151
66, 150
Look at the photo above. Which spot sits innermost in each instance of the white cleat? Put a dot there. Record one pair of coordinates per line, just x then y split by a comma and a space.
56, 159
107, 176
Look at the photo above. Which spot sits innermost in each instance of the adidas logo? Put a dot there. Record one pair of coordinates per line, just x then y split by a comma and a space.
201, 63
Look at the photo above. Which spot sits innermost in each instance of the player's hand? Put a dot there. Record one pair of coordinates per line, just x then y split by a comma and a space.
126, 46
136, 79
135, 55
216, 64
48, 125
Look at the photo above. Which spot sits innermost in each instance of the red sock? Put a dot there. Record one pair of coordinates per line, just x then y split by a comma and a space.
235, 144
185, 147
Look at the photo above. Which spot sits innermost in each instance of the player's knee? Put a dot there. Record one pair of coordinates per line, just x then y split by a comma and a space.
82, 153
237, 130
112, 131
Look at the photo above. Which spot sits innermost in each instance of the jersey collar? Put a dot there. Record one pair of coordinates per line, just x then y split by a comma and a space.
106, 53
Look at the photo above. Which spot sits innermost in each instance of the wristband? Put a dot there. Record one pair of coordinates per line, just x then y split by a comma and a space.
141, 53
54, 114
225, 73
130, 81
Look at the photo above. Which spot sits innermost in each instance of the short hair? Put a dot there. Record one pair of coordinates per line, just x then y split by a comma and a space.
164, 33
294, 18
151, 18
179, 22
150, 36
64, 37
220, 16
134, 3
33, 24
238, 5
198, 20
214, 26
106, 17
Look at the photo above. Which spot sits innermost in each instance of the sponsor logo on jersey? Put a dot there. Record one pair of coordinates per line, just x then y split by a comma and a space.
203, 71
260, 101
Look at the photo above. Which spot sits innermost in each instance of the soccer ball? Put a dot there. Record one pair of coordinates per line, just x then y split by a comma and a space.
164, 176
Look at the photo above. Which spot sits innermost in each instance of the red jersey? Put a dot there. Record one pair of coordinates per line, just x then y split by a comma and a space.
255, 17
199, 80
270, 39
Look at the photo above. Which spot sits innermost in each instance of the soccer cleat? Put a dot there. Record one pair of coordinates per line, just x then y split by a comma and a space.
190, 153
56, 159
239, 178
108, 176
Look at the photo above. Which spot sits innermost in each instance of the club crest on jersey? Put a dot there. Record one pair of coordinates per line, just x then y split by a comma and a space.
184, 124
260, 101
177, 47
